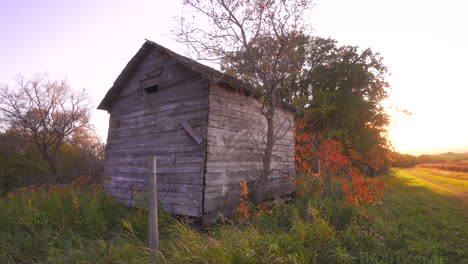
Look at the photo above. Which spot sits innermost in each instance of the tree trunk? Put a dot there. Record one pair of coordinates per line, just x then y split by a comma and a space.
270, 142
52, 165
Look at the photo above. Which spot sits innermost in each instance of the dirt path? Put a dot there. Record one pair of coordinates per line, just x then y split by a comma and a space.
455, 186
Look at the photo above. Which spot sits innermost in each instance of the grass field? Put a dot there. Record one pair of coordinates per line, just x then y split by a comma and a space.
423, 219
443, 182
426, 218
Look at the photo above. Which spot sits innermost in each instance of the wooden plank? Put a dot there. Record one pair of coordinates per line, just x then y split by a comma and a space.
162, 107
161, 122
160, 150
234, 125
155, 140
198, 104
187, 198
225, 111
172, 75
215, 166
245, 147
192, 132
169, 92
214, 191
234, 177
156, 128
195, 211
227, 95
223, 166
141, 160
241, 155
189, 101
226, 138
163, 178
162, 187
176, 168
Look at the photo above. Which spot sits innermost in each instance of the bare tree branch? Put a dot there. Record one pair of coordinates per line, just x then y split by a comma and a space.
255, 40
46, 113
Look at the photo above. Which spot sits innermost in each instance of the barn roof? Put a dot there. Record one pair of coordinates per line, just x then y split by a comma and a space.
208, 73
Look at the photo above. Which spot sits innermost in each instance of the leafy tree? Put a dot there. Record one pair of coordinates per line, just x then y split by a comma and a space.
260, 42
19, 163
22, 165
89, 151
341, 90
44, 114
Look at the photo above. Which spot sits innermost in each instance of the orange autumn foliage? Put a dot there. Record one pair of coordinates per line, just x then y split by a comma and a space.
245, 209
362, 192
335, 164
311, 146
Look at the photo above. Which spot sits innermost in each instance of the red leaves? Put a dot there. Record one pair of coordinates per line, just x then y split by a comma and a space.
245, 209
311, 146
361, 192
245, 190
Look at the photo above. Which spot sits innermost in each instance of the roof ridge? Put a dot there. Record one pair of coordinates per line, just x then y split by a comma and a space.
207, 72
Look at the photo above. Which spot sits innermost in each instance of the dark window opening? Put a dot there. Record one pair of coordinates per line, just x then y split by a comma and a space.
152, 89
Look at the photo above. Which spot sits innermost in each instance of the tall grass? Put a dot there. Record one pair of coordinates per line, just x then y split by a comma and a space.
76, 225
66, 225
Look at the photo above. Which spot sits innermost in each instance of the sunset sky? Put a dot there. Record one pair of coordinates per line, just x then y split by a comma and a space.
424, 43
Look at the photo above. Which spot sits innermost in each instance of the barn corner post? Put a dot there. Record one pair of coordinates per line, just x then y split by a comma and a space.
153, 210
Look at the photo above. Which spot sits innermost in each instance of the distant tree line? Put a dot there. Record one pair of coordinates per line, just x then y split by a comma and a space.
407, 160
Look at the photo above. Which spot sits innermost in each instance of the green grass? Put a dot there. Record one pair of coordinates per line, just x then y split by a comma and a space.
416, 224
419, 223
444, 184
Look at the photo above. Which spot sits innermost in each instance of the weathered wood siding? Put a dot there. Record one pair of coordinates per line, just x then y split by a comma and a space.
235, 144
144, 124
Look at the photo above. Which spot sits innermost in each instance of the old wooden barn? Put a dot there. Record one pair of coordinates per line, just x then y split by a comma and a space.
204, 127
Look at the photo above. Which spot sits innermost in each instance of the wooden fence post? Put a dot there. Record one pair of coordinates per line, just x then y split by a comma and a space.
317, 166
153, 211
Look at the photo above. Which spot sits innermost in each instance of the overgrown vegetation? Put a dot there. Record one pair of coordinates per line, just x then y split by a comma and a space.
45, 135
73, 224
21, 165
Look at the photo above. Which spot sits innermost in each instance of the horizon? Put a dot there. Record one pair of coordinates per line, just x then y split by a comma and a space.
424, 55
462, 150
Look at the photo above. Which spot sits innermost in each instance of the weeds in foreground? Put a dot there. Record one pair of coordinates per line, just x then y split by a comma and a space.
72, 224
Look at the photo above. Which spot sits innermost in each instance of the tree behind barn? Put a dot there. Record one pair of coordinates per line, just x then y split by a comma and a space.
44, 114
341, 92
257, 41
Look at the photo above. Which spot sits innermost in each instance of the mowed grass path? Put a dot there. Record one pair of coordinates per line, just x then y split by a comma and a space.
425, 215
444, 182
